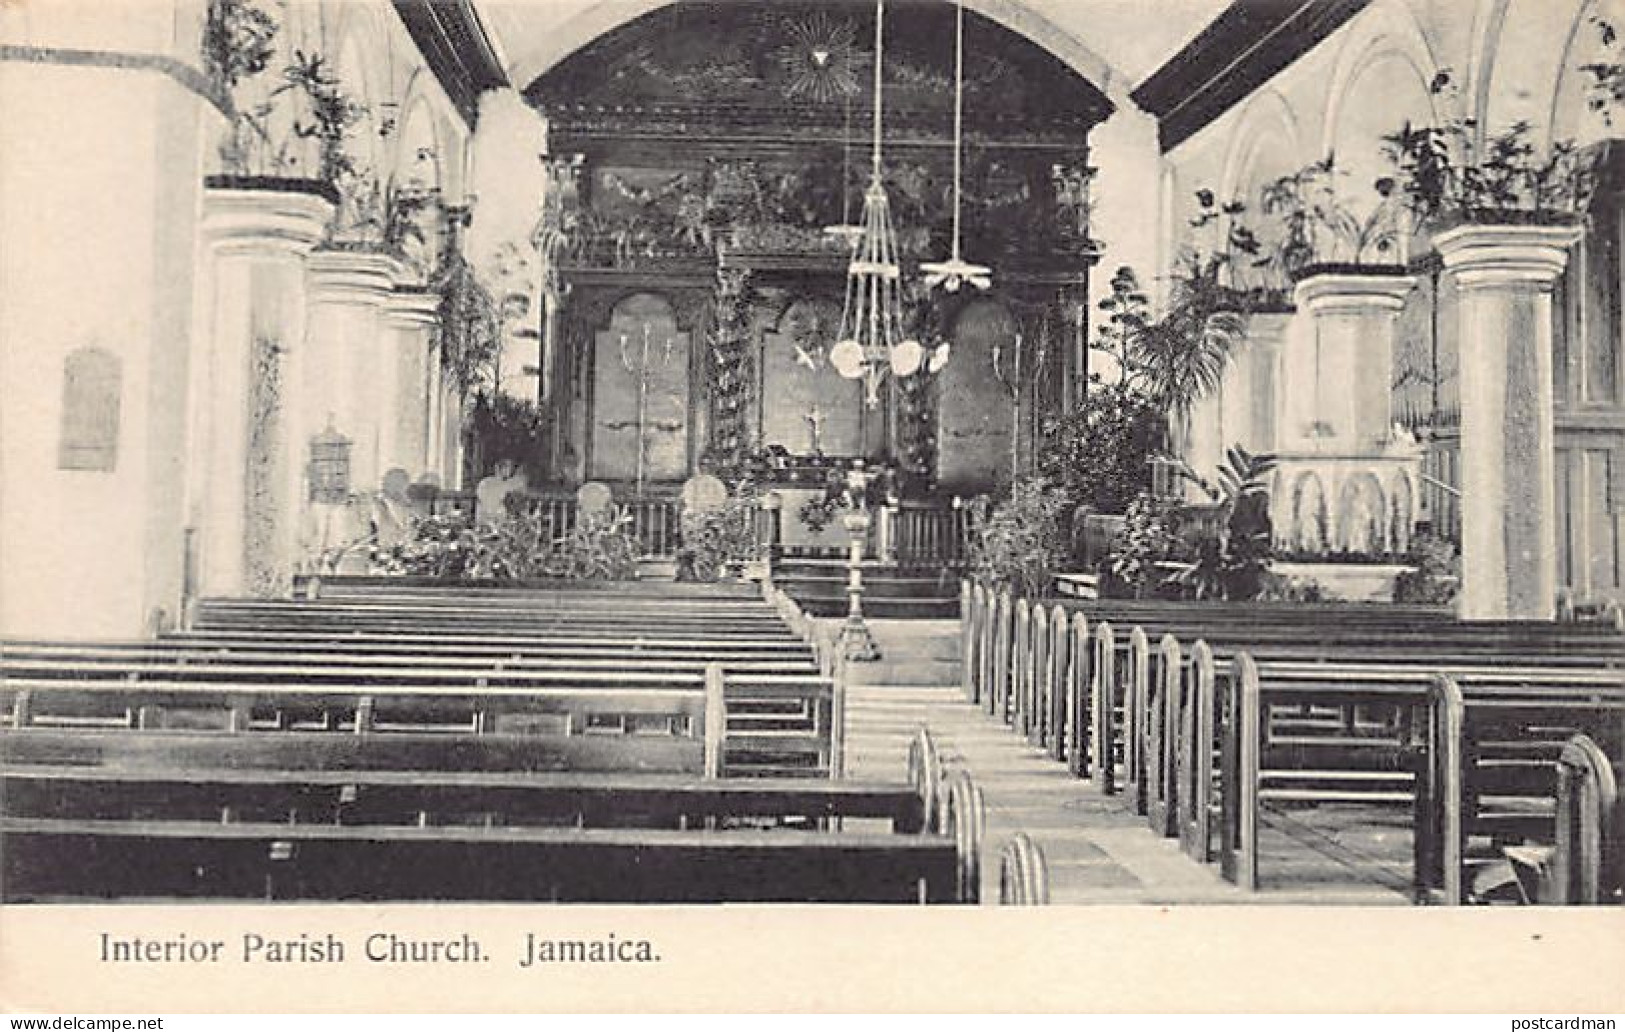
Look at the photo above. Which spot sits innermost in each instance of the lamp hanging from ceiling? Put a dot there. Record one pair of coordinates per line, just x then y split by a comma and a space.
955, 271
871, 339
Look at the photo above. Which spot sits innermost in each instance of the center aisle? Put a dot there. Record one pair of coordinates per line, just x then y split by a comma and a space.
1098, 851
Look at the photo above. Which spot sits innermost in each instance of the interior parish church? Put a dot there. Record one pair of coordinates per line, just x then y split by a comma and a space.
812, 451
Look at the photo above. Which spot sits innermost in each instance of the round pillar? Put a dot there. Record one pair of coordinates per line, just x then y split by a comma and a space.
1352, 322
409, 321
250, 423
1504, 276
349, 291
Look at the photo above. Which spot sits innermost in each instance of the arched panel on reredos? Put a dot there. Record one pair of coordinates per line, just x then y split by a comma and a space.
1362, 516
1309, 514
640, 399
1402, 513
973, 411
807, 408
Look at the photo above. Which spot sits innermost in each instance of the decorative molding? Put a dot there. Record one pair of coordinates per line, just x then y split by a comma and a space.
352, 277
264, 222
1484, 256
1243, 48
1339, 292
577, 126
412, 308
457, 49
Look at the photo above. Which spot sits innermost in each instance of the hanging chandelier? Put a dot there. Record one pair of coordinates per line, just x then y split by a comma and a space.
872, 340
956, 271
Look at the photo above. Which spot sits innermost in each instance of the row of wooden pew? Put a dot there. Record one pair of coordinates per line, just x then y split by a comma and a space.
1206, 716
430, 743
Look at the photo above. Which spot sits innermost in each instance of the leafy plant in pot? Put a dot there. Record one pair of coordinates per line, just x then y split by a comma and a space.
1321, 233
1100, 451
1452, 174
716, 540
1233, 565
1182, 356
238, 46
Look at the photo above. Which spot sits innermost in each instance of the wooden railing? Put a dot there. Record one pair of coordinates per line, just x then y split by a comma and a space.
657, 524
927, 534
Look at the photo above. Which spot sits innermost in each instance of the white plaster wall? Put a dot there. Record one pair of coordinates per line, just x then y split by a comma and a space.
99, 183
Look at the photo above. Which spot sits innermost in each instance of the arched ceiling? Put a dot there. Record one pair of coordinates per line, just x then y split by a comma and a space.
1112, 43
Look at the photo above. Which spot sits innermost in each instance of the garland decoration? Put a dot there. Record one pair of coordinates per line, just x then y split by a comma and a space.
731, 372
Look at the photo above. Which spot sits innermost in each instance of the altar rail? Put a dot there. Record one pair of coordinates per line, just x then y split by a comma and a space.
921, 533
910, 533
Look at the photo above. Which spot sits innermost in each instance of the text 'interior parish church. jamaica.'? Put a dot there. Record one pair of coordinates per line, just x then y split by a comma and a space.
1229, 398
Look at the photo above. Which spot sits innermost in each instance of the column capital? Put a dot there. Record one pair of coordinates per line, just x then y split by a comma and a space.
412, 308
271, 223
1488, 256
1352, 292
352, 277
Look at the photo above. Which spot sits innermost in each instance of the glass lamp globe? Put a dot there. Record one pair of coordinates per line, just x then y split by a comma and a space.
906, 358
847, 358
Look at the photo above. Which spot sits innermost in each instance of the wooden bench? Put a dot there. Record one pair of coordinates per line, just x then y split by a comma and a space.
1023, 875
776, 723
20, 656
1153, 682
223, 782
1247, 748
247, 816
196, 860
756, 620
1495, 746
1587, 865
1059, 676
451, 641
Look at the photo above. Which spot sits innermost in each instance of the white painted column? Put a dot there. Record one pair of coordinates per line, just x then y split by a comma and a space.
1234, 398
435, 413
254, 446
348, 294
409, 323
1205, 444
1352, 324
452, 438
1126, 209
1266, 339
1504, 275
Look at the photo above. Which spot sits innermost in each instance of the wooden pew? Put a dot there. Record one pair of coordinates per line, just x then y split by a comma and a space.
1587, 865
1023, 875
1495, 744
1066, 697
17, 657
222, 781
162, 807
777, 724
1158, 687
198, 860
755, 620
452, 641
1247, 747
